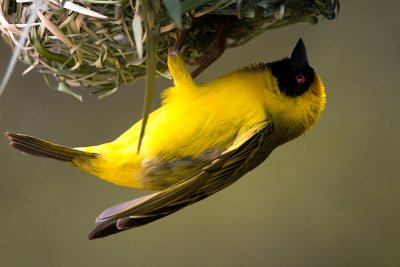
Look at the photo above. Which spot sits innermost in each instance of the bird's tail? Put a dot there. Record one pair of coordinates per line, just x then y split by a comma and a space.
37, 147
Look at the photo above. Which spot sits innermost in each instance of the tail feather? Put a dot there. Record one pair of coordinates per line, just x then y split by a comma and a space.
113, 227
37, 147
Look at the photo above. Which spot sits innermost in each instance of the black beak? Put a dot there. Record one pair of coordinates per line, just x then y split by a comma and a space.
298, 58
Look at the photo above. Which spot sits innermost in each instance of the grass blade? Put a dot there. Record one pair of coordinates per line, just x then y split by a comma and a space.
80, 9
150, 80
21, 41
153, 34
55, 30
62, 87
138, 31
174, 11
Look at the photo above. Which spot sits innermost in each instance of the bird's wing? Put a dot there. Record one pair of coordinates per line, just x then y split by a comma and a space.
248, 151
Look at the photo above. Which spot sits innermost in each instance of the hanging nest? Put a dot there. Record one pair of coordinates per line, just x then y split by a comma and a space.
101, 44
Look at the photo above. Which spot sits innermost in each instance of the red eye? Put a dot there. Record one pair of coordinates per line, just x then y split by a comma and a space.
300, 78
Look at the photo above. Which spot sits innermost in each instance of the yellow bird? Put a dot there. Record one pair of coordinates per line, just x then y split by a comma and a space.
203, 138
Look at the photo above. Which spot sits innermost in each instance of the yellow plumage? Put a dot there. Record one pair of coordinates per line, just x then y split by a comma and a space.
206, 135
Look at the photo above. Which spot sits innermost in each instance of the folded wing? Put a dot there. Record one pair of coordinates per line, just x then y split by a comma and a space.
247, 152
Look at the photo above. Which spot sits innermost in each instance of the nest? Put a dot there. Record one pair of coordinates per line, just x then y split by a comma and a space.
102, 44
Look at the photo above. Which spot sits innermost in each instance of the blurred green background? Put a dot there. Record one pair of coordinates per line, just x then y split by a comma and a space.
329, 198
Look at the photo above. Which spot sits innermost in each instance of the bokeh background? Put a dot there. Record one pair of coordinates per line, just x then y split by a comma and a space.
329, 198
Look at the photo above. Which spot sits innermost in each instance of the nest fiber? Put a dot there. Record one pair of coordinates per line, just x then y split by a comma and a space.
101, 44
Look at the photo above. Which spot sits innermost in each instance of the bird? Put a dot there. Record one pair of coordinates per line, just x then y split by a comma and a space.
202, 138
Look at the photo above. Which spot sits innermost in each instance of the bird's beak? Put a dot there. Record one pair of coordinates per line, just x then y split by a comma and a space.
298, 58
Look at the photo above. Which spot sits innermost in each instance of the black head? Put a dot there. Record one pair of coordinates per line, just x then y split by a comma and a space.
294, 74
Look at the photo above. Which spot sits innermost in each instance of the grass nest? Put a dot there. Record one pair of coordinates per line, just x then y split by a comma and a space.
102, 44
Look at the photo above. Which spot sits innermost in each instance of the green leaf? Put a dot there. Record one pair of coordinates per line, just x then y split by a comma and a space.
174, 11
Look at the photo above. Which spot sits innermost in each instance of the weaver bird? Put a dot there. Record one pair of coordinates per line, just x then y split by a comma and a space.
203, 138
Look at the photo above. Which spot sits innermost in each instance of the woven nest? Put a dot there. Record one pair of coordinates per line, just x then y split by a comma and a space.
101, 44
